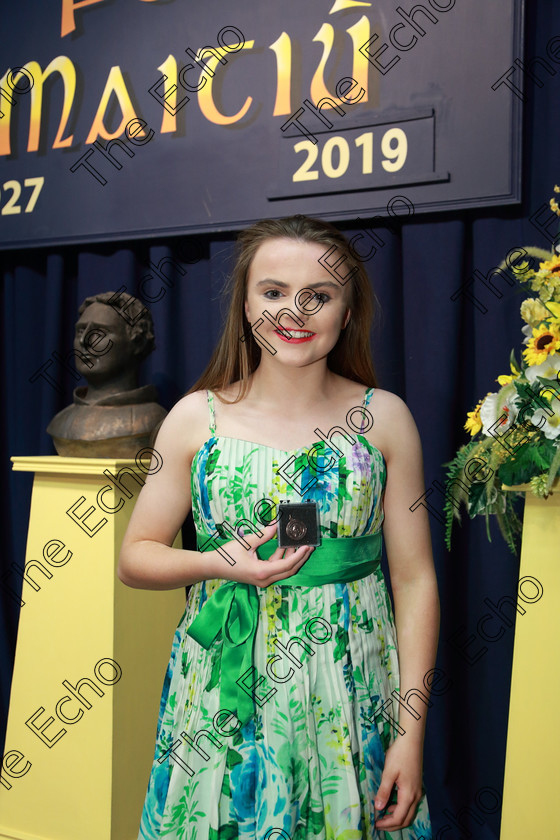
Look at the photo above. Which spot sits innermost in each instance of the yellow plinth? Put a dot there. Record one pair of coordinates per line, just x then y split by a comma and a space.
90, 661
533, 740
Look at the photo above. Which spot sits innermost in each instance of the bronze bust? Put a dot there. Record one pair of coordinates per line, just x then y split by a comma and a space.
111, 417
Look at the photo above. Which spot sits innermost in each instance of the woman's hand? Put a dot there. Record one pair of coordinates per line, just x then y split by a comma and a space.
403, 768
247, 567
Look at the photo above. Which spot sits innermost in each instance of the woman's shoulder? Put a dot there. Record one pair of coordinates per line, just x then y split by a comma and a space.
393, 420
384, 401
186, 425
387, 402
191, 407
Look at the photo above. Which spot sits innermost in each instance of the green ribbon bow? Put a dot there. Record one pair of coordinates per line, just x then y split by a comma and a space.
231, 613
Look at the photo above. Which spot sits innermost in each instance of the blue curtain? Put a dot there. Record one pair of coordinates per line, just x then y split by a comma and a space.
438, 350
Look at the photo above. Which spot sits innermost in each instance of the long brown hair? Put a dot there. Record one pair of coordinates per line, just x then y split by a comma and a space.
234, 359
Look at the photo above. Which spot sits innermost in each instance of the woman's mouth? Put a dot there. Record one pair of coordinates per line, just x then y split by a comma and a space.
295, 336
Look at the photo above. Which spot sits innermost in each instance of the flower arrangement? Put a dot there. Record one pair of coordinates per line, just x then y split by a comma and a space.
515, 432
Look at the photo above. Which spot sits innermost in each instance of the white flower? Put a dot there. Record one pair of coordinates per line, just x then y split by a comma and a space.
494, 406
549, 425
548, 369
527, 331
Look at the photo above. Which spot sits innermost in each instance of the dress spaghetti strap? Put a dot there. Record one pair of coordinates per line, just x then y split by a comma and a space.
211, 412
365, 402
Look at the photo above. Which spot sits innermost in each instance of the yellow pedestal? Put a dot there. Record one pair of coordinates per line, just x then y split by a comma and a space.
90, 661
533, 741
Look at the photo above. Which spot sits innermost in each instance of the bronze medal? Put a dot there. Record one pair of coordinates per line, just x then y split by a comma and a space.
296, 529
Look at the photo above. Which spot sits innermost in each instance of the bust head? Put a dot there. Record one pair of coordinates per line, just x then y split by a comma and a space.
111, 417
111, 339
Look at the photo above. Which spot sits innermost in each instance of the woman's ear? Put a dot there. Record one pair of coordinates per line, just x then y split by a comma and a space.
246, 310
346, 318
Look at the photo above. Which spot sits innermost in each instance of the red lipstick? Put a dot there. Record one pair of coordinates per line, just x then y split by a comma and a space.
296, 336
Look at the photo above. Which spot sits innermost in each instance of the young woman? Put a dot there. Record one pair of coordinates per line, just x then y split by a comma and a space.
294, 704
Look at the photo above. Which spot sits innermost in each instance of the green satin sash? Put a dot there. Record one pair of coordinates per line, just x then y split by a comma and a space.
232, 611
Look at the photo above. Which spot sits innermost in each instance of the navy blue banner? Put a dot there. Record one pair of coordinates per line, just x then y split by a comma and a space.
150, 117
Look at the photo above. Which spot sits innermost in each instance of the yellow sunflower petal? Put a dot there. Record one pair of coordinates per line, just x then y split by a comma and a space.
473, 424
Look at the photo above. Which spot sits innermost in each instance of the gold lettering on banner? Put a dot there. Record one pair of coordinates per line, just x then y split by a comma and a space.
169, 93
62, 65
172, 89
115, 85
282, 48
206, 96
359, 33
318, 88
67, 23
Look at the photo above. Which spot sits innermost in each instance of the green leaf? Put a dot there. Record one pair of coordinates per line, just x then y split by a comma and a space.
283, 613
477, 499
216, 669
454, 490
341, 643
549, 385
316, 822
226, 789
513, 361
335, 610
232, 758
228, 832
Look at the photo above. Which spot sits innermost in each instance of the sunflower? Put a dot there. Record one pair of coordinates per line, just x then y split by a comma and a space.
474, 423
552, 265
545, 341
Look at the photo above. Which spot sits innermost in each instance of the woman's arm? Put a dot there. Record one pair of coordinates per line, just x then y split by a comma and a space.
413, 581
146, 559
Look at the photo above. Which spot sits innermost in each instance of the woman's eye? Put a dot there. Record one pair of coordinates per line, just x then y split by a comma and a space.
273, 294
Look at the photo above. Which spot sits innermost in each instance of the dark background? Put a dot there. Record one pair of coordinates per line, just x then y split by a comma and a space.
440, 356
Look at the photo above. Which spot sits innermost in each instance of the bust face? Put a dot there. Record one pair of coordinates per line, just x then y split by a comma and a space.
106, 351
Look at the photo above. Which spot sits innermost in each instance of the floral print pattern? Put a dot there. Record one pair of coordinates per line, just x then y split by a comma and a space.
308, 764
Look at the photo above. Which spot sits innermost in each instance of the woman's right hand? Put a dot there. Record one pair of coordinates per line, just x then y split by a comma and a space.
248, 568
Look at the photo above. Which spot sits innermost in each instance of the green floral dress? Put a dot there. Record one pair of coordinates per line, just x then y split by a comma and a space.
308, 764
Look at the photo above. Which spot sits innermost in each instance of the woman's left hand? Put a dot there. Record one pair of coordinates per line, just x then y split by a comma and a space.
403, 768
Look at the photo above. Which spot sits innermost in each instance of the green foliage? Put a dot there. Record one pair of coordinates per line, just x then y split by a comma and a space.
455, 478
480, 490
529, 460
